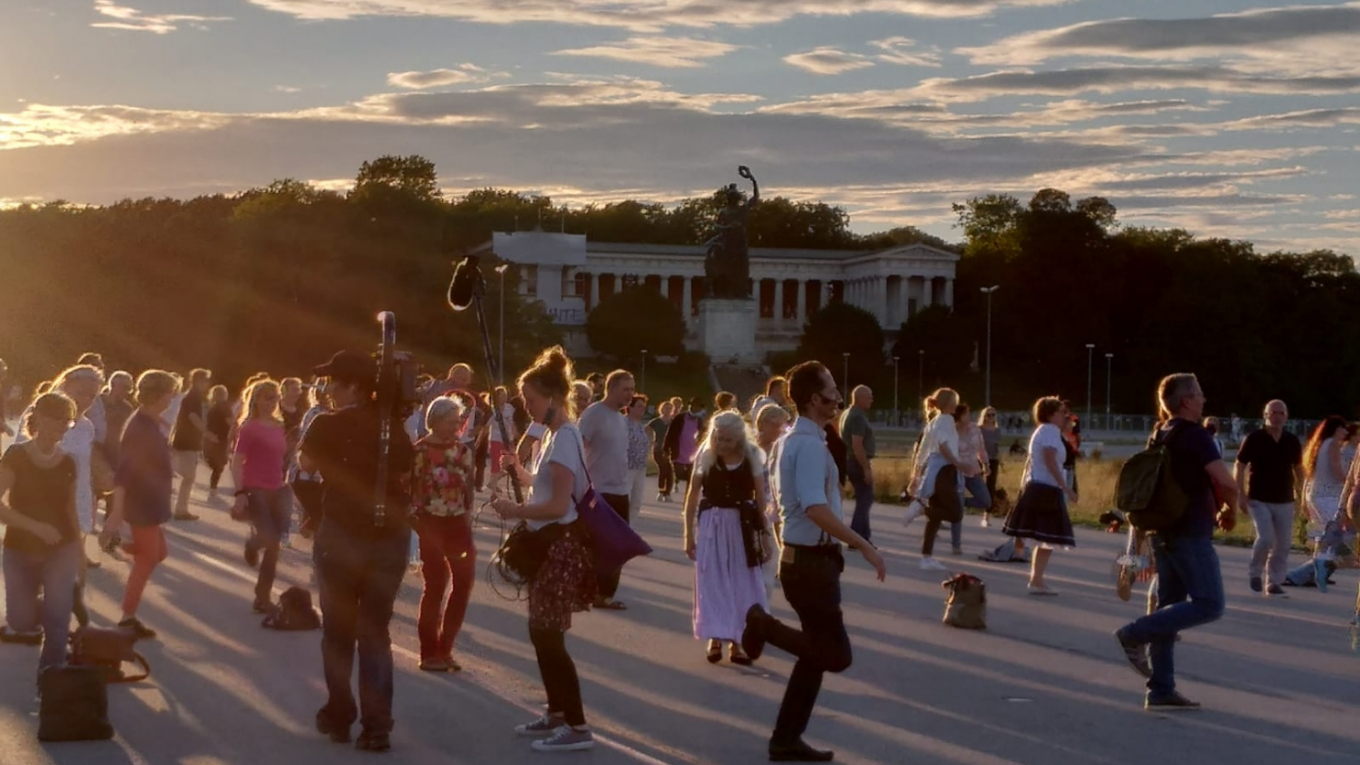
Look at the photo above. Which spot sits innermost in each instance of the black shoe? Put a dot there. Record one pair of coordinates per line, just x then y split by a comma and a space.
1136, 653
8, 635
799, 751
142, 631
338, 734
370, 741
753, 637
252, 552
1173, 703
1255, 584
1276, 591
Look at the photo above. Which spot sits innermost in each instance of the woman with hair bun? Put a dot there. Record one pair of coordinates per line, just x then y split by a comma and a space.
1040, 513
727, 535
938, 472
566, 581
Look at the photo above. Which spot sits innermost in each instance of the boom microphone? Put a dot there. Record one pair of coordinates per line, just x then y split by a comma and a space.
467, 279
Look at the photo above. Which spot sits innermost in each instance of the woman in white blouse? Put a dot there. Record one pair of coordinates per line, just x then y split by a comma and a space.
1041, 511
938, 471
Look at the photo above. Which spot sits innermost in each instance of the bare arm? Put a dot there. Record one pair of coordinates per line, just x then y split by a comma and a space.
1223, 482
862, 457
554, 507
1055, 469
115, 520
1334, 458
1240, 470
691, 513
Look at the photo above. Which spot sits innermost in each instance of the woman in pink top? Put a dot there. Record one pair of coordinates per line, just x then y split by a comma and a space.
257, 466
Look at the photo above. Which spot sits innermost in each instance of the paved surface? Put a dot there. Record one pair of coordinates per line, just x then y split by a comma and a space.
1045, 684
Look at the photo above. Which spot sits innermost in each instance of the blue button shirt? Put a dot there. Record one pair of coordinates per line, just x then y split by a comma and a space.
804, 476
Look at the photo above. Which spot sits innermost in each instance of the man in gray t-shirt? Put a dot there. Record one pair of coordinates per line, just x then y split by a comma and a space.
604, 429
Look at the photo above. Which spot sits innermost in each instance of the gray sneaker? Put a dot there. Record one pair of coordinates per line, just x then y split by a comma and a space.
565, 739
543, 726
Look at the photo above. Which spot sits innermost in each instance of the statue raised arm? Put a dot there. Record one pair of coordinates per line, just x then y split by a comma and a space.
727, 264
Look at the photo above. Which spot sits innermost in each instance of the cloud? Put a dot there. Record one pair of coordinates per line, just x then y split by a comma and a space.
649, 16
43, 125
1299, 40
828, 60
1310, 118
1116, 79
666, 52
436, 78
134, 20
902, 50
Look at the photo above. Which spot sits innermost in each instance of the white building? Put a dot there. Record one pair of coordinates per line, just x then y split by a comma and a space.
570, 275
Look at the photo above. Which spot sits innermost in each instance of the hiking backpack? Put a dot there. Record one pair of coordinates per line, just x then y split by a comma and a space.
1147, 492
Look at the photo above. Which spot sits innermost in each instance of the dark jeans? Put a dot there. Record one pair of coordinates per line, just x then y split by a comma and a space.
993, 467
359, 578
609, 581
1189, 593
482, 453
864, 500
812, 585
945, 504
665, 474
270, 511
560, 680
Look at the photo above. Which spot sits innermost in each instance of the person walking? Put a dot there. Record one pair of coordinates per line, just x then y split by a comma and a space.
1189, 581
42, 547
566, 581
973, 450
1326, 478
991, 444
683, 437
143, 485
1269, 474
727, 536
639, 446
262, 495
441, 495
807, 490
496, 443
605, 431
217, 437
1040, 512
858, 436
187, 439
665, 472
938, 467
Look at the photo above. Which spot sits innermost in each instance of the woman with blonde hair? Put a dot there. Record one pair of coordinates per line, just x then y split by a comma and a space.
257, 468
1325, 481
938, 469
143, 484
727, 535
1040, 513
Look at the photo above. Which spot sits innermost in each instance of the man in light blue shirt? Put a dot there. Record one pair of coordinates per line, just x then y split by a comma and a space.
806, 486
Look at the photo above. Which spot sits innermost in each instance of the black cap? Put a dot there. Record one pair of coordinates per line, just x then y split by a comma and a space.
350, 366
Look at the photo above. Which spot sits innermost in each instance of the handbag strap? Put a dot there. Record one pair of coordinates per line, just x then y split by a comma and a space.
140, 661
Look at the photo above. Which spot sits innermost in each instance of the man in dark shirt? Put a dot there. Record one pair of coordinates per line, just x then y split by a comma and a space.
1273, 457
360, 558
858, 436
187, 440
1189, 580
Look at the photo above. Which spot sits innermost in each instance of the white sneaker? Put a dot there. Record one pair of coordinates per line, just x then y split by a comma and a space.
930, 564
565, 739
914, 511
986, 522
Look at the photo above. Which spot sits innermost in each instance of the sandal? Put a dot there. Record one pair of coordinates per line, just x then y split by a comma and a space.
609, 604
738, 656
434, 665
714, 651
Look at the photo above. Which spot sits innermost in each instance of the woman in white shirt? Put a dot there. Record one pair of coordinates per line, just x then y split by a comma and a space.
938, 473
495, 446
565, 582
1041, 511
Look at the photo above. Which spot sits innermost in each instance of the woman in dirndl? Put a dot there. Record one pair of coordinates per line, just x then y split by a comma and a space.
727, 535
565, 582
1041, 511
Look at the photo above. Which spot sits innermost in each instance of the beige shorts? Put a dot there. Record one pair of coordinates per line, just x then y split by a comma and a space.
186, 463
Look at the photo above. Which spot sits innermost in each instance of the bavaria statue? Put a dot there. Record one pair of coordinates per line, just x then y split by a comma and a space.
727, 265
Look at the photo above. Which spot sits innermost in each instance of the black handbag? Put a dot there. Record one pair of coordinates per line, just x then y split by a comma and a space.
945, 505
524, 551
74, 705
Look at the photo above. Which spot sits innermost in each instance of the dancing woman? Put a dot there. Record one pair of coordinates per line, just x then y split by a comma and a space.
1040, 513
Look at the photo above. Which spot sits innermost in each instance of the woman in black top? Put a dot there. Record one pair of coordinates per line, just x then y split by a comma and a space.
42, 551
217, 447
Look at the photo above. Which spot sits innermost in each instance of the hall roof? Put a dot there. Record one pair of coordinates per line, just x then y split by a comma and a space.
763, 253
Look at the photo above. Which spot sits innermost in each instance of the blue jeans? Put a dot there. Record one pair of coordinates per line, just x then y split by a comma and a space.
977, 496
271, 512
864, 500
1189, 593
54, 572
359, 577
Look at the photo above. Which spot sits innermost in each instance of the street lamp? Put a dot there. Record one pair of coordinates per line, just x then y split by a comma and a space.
643, 389
896, 419
846, 376
987, 392
1090, 349
500, 367
921, 378
1109, 359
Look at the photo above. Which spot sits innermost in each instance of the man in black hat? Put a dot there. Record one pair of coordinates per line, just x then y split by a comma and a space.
360, 559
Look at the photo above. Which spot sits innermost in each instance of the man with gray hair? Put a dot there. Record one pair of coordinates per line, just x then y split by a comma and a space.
1189, 580
604, 429
1273, 458
858, 436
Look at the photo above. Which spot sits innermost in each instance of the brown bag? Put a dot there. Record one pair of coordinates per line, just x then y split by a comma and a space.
108, 649
966, 606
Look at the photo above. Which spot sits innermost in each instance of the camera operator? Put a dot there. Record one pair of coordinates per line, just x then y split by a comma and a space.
360, 561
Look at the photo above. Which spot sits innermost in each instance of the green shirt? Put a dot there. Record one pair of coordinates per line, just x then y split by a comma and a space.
854, 422
658, 426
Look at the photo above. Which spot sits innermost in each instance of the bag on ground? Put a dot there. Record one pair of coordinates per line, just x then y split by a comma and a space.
74, 705
294, 612
107, 649
966, 605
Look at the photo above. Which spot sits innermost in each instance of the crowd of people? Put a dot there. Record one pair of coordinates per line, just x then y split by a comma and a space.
760, 486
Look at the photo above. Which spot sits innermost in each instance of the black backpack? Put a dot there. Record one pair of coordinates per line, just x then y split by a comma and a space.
295, 612
1147, 491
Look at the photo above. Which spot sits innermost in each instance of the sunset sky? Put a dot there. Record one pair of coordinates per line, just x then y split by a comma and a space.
1227, 118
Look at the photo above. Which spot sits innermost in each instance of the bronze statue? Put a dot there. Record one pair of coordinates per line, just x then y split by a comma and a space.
727, 265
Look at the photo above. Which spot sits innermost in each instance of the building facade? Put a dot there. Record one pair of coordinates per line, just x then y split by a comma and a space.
569, 275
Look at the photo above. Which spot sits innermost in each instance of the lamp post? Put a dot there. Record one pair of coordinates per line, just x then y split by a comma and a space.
987, 390
643, 389
921, 377
1090, 350
846, 374
895, 409
500, 366
1109, 360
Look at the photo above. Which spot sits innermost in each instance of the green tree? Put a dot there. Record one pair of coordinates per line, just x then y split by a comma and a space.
638, 318
412, 175
840, 328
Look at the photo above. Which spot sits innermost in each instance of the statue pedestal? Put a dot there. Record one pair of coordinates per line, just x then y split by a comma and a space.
727, 330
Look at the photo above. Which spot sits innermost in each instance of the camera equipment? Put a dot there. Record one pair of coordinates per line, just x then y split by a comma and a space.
396, 392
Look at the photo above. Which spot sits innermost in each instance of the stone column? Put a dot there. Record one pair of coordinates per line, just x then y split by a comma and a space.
928, 293
800, 315
949, 293
778, 303
687, 300
879, 290
594, 291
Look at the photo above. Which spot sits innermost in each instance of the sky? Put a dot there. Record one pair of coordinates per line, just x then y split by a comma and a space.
1228, 118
